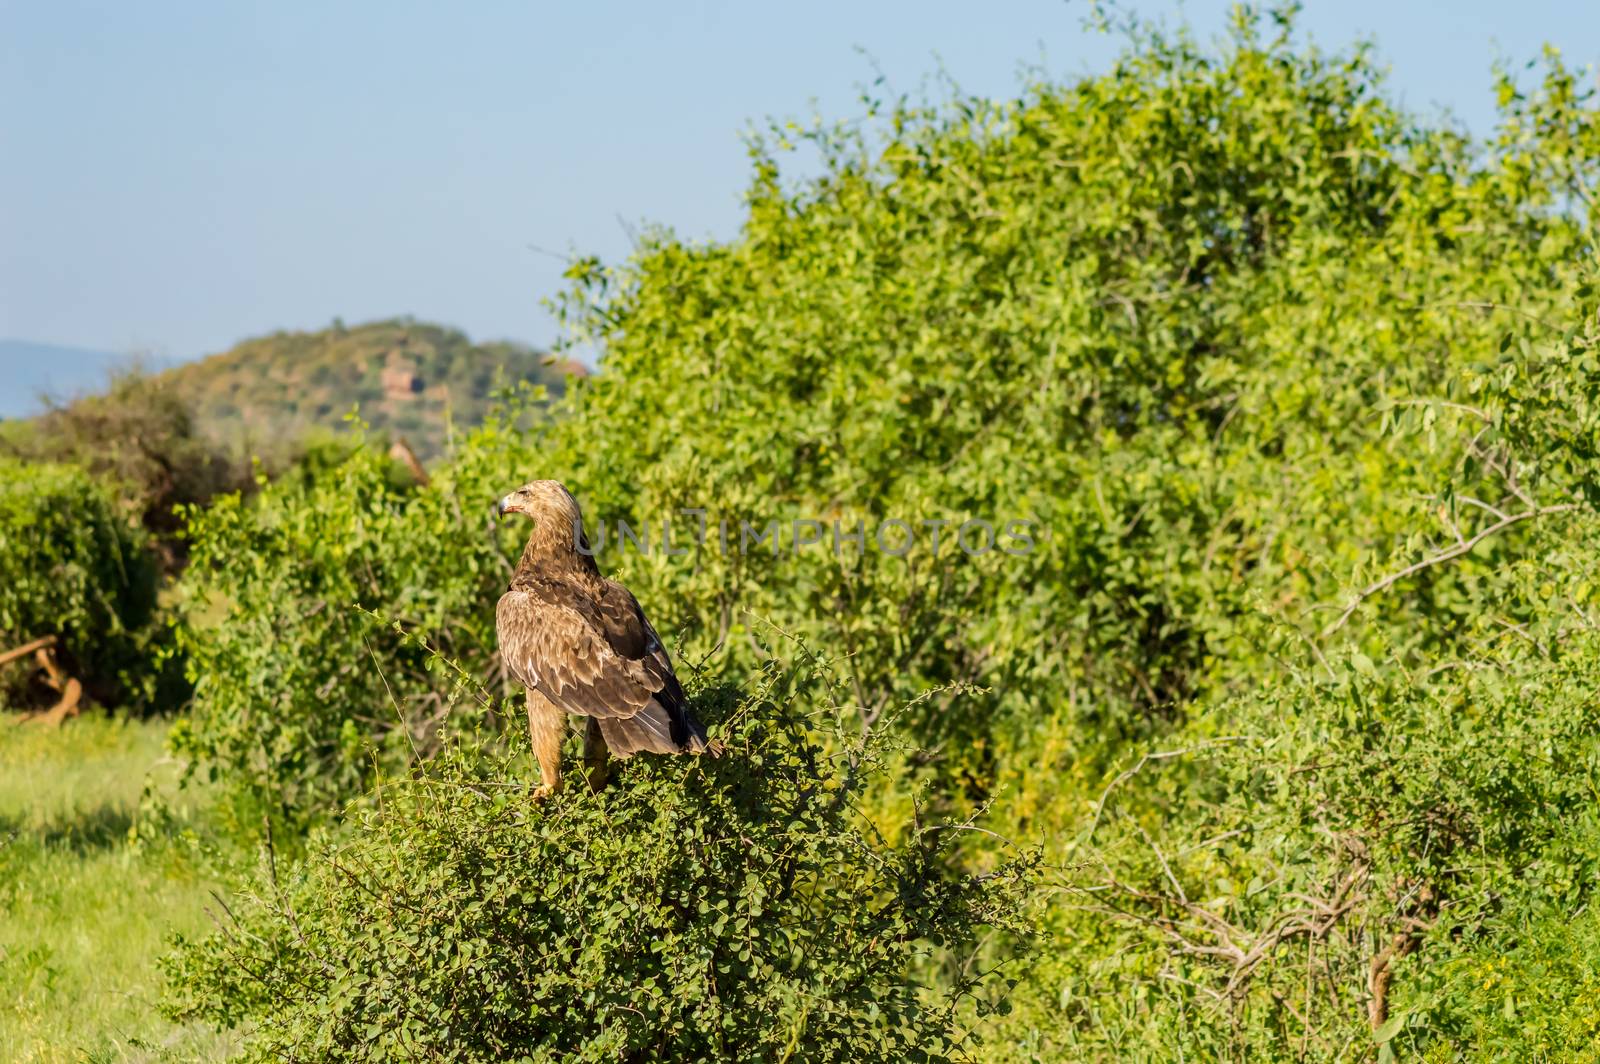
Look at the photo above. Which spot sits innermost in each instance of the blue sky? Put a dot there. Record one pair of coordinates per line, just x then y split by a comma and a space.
179, 175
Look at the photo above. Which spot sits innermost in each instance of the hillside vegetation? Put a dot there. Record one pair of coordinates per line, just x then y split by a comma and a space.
177, 438
410, 379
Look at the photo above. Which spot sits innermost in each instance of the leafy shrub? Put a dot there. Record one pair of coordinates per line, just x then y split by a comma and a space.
141, 438
1182, 373
1528, 991
299, 697
71, 566
1391, 833
736, 908
1376, 851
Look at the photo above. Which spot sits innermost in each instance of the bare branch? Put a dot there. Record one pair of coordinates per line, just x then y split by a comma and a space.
1123, 776
1448, 554
1480, 504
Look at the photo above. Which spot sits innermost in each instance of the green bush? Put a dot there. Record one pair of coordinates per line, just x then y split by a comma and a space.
71, 566
1390, 831
299, 697
141, 440
1371, 850
1183, 373
732, 909
1529, 991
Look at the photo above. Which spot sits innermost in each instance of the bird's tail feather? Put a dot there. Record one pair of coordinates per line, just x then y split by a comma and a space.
655, 729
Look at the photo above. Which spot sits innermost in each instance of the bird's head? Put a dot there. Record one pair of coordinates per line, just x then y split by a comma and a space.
542, 500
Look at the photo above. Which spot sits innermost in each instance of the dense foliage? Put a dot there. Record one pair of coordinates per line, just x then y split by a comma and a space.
1351, 852
73, 567
1297, 401
1158, 313
731, 909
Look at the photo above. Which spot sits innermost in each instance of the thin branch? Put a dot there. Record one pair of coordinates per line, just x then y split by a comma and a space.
1483, 304
1145, 759
1477, 412
1448, 554
1183, 898
1480, 504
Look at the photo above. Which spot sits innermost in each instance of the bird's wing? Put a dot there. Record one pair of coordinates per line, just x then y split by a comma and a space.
599, 658
556, 647
665, 725
631, 634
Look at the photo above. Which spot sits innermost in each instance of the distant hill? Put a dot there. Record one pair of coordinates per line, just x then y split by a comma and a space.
30, 370
407, 378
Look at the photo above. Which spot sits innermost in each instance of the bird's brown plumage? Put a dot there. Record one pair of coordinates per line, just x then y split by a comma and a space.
581, 644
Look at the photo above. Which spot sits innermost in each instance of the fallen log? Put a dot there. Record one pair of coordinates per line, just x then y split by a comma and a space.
69, 689
71, 696
42, 643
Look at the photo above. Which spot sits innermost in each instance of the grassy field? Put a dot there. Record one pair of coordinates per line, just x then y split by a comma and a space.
84, 910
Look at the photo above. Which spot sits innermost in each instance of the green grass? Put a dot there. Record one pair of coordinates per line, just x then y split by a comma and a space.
84, 912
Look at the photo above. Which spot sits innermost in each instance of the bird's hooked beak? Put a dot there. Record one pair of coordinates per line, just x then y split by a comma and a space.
502, 506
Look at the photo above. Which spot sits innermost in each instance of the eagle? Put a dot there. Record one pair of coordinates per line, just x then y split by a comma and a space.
581, 644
